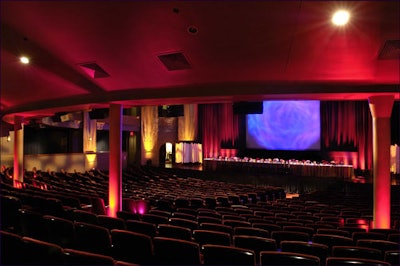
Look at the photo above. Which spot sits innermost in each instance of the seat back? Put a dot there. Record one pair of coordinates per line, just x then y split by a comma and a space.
334, 261
315, 249
169, 251
111, 222
392, 256
92, 238
142, 227
382, 245
357, 252
251, 231
38, 252
287, 258
216, 227
59, 231
255, 243
11, 249
174, 231
289, 235
79, 257
227, 255
203, 237
132, 247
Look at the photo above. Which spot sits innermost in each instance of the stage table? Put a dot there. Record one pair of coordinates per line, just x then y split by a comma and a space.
278, 167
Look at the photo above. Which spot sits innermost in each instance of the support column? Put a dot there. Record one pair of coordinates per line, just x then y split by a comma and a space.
18, 174
115, 165
89, 141
381, 109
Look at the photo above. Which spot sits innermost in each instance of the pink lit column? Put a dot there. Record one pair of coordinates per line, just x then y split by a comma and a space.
18, 174
381, 109
115, 166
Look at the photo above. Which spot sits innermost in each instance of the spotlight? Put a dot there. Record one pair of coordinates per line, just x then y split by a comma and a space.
340, 18
24, 60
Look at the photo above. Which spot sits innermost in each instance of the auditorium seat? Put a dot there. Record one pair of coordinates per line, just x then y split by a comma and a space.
209, 212
31, 224
207, 219
155, 219
127, 215
9, 211
169, 251
181, 202
166, 214
111, 222
54, 207
315, 249
132, 247
255, 243
216, 227
59, 231
142, 227
183, 215
236, 223
386, 231
92, 238
392, 256
251, 231
336, 232
203, 237
303, 229
84, 216
270, 227
352, 229
368, 235
227, 255
332, 240
335, 261
287, 258
12, 247
394, 237
186, 210
174, 231
382, 245
289, 235
192, 225
37, 252
79, 257
357, 252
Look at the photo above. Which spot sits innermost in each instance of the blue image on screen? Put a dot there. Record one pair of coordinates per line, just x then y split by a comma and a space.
285, 125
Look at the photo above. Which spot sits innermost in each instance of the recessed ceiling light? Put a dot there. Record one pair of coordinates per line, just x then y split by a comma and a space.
340, 18
24, 60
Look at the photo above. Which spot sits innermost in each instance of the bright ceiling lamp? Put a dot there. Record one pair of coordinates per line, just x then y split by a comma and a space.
24, 60
340, 18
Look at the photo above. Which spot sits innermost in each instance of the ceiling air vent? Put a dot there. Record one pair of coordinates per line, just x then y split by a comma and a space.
390, 50
175, 61
94, 70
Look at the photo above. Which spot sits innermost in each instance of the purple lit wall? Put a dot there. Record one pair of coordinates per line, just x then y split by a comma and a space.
285, 125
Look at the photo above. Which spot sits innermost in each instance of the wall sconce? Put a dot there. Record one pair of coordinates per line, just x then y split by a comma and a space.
8, 138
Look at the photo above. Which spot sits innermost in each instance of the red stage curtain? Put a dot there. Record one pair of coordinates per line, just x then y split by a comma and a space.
348, 125
217, 124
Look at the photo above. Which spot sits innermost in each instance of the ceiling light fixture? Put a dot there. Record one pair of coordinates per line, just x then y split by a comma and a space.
24, 60
340, 18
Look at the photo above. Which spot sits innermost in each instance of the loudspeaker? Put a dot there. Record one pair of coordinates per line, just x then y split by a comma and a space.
242, 108
98, 113
170, 110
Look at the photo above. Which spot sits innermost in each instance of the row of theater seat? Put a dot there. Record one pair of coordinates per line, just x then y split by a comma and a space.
130, 248
89, 236
276, 216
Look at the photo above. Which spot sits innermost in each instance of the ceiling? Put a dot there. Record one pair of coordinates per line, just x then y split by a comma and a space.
165, 52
